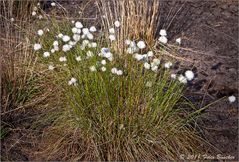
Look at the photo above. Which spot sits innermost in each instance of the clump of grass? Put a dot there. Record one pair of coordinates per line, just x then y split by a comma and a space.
118, 109
19, 81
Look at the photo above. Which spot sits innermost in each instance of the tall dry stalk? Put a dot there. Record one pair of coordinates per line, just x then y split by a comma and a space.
16, 59
139, 18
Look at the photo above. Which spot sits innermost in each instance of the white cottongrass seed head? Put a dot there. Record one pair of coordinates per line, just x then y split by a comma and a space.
72, 81
40, 32
53, 50
112, 31
93, 44
173, 76
189, 75
78, 25
40, 17
60, 35
112, 37
89, 54
127, 42
114, 70
34, 13
119, 72
90, 36
53, 4
93, 29
141, 44
182, 79
154, 68
179, 41
92, 68
66, 47
150, 54
163, 32
103, 62
232, 99
46, 54
163, 40
37, 47
62, 59
146, 65
76, 37
168, 65
117, 24
85, 31
103, 69
66, 38
74, 30
55, 43
78, 58
51, 67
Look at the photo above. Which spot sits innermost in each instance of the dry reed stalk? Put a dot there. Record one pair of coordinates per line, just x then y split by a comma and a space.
139, 18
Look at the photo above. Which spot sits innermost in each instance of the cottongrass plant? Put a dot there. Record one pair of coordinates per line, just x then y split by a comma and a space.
115, 106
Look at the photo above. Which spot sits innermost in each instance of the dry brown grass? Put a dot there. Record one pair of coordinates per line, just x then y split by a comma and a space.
139, 18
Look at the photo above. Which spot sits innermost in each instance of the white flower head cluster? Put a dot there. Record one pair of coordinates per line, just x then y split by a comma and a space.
105, 52
66, 47
66, 38
46, 54
141, 45
62, 59
132, 47
116, 71
155, 65
93, 69
40, 32
168, 65
89, 54
112, 36
178, 41
34, 13
55, 46
163, 36
103, 69
93, 29
53, 4
51, 67
112, 31
140, 57
189, 75
150, 54
78, 25
37, 47
232, 99
72, 81
117, 24
78, 58
103, 62
182, 79
173, 76
40, 17
60, 35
